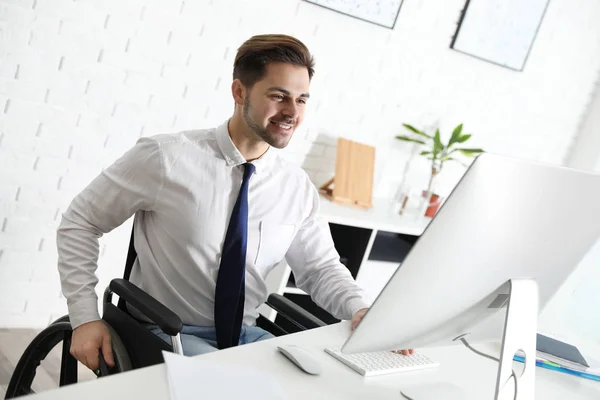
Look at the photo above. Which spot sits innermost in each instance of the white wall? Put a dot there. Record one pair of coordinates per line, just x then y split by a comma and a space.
80, 81
575, 306
585, 151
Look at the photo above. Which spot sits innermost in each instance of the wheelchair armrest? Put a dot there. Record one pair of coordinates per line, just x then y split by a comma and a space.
158, 313
293, 312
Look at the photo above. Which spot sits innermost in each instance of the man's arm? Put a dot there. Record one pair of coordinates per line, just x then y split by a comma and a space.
132, 183
318, 270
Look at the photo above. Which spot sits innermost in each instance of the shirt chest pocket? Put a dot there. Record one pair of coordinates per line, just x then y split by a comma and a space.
274, 240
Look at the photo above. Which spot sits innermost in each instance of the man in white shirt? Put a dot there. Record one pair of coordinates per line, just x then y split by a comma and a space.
216, 210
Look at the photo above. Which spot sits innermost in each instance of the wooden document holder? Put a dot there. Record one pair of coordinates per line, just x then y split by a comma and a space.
354, 170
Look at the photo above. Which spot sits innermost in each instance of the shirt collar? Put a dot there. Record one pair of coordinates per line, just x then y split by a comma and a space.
232, 155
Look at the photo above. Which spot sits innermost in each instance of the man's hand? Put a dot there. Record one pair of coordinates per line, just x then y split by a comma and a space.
87, 340
359, 316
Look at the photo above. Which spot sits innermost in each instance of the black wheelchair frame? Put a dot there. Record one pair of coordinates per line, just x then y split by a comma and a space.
134, 346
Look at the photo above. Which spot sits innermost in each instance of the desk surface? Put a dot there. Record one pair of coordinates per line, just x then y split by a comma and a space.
380, 217
458, 366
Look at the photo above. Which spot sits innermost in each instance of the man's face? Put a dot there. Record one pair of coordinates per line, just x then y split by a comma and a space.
274, 106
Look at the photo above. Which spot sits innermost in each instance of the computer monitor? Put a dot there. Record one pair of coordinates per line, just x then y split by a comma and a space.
507, 220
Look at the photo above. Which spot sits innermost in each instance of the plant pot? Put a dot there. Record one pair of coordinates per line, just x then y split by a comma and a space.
434, 204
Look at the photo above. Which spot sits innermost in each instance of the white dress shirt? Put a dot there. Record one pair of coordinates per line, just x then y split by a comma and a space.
182, 188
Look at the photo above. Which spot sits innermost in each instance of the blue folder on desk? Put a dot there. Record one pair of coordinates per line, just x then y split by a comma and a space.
555, 367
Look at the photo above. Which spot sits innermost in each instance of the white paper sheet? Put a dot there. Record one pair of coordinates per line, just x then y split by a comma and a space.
194, 378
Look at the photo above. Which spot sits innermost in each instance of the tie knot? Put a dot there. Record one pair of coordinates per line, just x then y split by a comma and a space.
248, 170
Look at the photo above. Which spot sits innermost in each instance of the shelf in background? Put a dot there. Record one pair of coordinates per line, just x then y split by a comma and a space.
391, 247
380, 217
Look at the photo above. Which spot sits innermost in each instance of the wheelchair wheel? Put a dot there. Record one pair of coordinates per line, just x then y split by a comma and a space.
60, 330
120, 355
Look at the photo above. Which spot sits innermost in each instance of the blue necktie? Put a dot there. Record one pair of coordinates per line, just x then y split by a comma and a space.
231, 283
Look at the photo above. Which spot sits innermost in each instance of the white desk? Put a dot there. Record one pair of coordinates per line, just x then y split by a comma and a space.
458, 366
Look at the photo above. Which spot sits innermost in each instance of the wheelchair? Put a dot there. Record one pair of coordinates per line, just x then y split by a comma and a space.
134, 346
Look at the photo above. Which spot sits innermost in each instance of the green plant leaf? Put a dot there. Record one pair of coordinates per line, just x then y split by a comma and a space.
408, 139
455, 135
463, 138
470, 152
415, 130
437, 143
424, 153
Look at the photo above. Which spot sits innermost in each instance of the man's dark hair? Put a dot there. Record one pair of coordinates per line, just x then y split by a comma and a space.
256, 53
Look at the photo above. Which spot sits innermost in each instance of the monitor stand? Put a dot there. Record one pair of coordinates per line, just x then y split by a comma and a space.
520, 330
520, 333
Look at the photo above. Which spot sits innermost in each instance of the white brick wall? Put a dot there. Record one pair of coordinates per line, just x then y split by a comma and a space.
80, 81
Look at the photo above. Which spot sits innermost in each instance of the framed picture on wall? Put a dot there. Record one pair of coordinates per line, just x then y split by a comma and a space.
379, 12
499, 31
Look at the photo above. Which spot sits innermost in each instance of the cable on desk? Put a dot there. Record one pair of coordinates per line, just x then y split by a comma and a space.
406, 396
474, 350
513, 375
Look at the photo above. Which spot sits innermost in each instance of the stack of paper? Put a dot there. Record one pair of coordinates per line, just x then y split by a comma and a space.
193, 378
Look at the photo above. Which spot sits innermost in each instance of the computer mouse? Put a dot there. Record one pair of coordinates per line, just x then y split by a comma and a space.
302, 358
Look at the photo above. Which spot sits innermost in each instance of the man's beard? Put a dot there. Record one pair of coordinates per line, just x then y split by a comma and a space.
259, 130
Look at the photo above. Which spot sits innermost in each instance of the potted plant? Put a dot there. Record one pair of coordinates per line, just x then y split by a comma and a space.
438, 154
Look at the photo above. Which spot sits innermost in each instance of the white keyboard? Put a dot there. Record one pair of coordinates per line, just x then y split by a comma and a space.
382, 362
